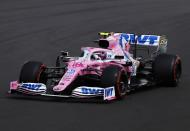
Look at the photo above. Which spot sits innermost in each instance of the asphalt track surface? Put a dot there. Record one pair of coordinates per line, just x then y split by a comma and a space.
39, 29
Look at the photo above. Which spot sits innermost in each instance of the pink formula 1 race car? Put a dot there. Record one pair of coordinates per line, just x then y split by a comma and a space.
108, 72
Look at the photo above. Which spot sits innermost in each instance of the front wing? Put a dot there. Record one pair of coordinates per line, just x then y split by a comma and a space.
39, 89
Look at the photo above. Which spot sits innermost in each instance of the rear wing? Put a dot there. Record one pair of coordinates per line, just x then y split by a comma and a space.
142, 40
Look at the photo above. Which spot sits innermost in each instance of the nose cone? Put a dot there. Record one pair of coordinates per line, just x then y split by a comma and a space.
74, 70
58, 88
67, 79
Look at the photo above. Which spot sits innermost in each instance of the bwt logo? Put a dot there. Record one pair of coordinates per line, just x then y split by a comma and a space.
108, 92
31, 86
92, 91
142, 39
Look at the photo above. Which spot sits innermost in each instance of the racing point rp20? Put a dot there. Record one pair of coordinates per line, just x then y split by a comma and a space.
107, 72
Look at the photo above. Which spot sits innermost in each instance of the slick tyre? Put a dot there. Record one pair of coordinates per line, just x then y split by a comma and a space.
33, 72
167, 69
115, 76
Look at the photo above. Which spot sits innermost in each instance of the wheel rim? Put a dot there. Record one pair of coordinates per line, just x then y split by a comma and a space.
40, 77
177, 71
122, 84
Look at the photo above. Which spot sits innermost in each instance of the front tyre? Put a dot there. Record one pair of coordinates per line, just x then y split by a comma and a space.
115, 76
33, 72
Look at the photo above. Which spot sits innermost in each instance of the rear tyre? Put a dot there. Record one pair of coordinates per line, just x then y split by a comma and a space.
33, 71
167, 69
115, 76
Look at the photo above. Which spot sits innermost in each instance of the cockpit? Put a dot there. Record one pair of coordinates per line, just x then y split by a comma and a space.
99, 55
91, 53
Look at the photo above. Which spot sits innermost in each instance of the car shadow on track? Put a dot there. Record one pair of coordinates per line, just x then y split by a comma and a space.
58, 100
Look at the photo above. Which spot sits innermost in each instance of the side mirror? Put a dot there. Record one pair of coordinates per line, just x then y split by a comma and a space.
119, 57
129, 63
